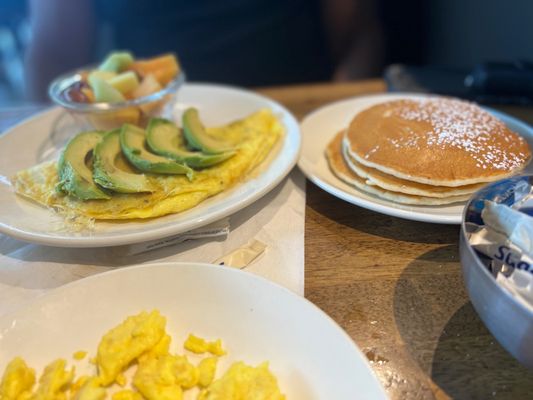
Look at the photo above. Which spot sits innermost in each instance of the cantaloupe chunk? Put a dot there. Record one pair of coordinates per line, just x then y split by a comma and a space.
88, 92
164, 68
148, 85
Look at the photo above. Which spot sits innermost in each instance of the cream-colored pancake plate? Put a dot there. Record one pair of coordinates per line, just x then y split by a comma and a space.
319, 128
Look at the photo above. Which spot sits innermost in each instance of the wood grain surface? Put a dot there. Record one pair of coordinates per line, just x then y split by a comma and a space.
396, 287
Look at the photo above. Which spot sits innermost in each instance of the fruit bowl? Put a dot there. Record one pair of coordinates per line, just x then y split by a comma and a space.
107, 115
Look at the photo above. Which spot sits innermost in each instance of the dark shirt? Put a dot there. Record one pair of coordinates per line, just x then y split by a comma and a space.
243, 42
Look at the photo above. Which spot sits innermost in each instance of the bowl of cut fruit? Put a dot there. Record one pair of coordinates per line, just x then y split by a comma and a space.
120, 90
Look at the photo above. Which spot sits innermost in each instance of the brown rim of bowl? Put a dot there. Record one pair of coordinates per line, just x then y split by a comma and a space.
62, 82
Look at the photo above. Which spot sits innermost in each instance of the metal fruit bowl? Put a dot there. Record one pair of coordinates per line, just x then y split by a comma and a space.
509, 321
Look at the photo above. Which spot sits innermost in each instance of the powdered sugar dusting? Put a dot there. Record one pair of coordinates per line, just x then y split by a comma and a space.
462, 125
376, 148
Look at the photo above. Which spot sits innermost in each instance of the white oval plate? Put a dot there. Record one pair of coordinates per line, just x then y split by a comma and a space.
40, 138
256, 319
319, 127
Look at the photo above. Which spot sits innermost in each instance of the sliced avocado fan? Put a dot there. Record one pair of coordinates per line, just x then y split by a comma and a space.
75, 167
133, 144
198, 138
164, 138
106, 171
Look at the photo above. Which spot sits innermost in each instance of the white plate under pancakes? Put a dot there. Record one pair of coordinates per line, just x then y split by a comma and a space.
37, 139
319, 128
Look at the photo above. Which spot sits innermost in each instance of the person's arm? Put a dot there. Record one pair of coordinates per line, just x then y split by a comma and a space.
62, 33
355, 37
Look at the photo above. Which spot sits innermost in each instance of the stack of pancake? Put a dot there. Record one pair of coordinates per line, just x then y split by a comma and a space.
426, 151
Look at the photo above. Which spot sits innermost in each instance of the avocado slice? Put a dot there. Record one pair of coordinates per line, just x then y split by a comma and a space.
198, 138
133, 144
107, 172
164, 138
75, 167
116, 61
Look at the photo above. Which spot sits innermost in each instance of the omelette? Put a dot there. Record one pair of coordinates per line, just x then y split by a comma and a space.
253, 137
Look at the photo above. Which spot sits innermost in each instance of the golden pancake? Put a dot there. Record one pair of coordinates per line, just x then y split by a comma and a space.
436, 141
341, 169
376, 177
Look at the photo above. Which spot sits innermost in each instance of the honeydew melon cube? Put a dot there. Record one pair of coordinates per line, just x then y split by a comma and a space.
125, 82
104, 75
104, 92
116, 61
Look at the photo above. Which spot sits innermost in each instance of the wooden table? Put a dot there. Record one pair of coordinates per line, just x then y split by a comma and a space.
396, 287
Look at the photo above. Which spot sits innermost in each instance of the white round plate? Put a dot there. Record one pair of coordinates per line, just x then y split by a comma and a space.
257, 320
319, 128
37, 140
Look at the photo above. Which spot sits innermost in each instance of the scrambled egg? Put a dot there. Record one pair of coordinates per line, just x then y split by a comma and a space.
199, 346
124, 343
90, 390
79, 355
243, 382
54, 382
17, 381
160, 349
206, 371
126, 395
165, 377
254, 137
141, 343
